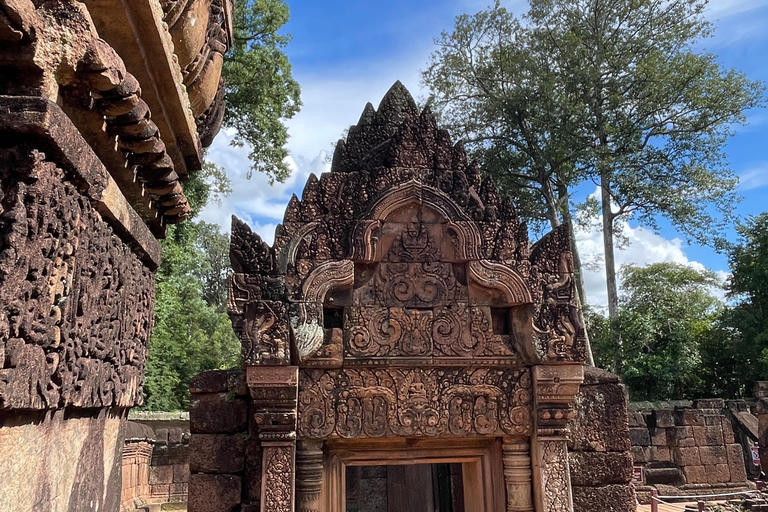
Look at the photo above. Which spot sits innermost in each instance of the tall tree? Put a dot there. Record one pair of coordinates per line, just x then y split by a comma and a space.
666, 313
260, 90
738, 353
608, 90
192, 331
494, 84
657, 112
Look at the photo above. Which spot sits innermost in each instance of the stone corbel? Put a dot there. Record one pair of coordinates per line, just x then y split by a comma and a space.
274, 398
555, 388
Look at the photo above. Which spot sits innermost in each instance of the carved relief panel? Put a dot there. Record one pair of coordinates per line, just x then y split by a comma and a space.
418, 402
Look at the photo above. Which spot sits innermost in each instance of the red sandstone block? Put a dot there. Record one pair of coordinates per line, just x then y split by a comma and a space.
687, 457
695, 474
161, 475
709, 435
211, 453
660, 454
711, 455
214, 493
219, 381
217, 413
159, 490
728, 437
718, 473
180, 473
736, 463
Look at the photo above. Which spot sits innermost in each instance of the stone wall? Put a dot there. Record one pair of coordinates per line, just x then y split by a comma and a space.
137, 453
220, 479
77, 290
598, 451
690, 446
61, 460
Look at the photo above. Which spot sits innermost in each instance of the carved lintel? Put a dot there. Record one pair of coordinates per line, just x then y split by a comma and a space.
278, 476
309, 475
516, 455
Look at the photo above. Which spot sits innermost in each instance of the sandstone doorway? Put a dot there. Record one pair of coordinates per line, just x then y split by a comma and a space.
403, 488
406, 475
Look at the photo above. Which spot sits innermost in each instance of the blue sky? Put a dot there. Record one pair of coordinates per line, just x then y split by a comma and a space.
345, 53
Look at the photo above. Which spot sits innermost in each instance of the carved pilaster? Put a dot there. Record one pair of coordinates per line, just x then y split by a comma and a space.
278, 476
554, 388
309, 475
517, 474
274, 394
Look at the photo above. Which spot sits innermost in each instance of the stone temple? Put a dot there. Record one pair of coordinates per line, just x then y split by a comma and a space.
404, 345
402, 334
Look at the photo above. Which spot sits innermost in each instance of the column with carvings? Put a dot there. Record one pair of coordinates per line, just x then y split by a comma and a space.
555, 387
516, 454
309, 475
274, 394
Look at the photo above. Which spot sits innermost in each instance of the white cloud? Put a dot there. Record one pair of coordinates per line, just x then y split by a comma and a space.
254, 200
754, 177
643, 248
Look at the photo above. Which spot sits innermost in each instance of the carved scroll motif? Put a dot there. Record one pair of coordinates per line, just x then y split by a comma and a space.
414, 403
467, 238
495, 275
452, 331
307, 324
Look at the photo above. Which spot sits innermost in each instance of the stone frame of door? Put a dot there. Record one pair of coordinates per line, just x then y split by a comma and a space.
480, 458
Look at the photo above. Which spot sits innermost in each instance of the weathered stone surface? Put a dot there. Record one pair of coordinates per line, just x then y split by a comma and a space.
214, 493
695, 474
639, 437
71, 339
610, 498
601, 422
711, 455
81, 457
217, 413
211, 453
219, 381
687, 457
717, 473
735, 457
710, 435
592, 469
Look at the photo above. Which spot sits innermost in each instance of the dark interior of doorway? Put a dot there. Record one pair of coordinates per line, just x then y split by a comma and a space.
405, 488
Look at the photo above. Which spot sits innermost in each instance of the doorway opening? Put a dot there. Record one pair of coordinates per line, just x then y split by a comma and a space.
405, 488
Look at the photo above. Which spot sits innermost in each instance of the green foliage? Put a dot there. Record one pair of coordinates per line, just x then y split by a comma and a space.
192, 331
260, 91
603, 90
493, 83
666, 314
738, 351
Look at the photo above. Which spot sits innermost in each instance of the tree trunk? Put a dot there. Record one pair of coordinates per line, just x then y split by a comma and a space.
581, 296
610, 264
610, 259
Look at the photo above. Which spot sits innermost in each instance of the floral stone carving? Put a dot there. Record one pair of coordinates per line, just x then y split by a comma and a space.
405, 289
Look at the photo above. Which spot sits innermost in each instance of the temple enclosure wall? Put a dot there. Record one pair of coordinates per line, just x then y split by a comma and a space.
105, 106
